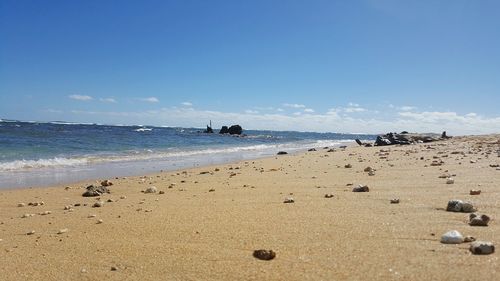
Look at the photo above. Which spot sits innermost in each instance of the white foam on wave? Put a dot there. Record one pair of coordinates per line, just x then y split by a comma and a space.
150, 155
41, 163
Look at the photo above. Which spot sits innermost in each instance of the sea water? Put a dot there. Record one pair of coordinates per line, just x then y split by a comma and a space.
50, 153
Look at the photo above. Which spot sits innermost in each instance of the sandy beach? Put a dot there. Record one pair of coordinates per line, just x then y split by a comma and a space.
205, 223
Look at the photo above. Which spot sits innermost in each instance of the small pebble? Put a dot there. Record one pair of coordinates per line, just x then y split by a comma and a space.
328, 195
114, 268
98, 204
450, 181
61, 231
21, 204
482, 248
395, 201
347, 166
161, 192
45, 213
478, 220
91, 216
469, 239
289, 200
151, 189
460, 206
361, 188
211, 190
30, 232
99, 221
452, 237
264, 254
475, 192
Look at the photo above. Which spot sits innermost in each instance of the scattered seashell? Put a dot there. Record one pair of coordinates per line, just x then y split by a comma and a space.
162, 192
460, 206
469, 238
395, 201
106, 183
371, 173
123, 197
289, 200
211, 190
99, 221
450, 181
92, 216
21, 204
61, 231
151, 189
452, 237
264, 254
328, 195
27, 216
98, 204
482, 248
45, 213
478, 220
368, 169
347, 166
30, 232
361, 188
68, 207
114, 268
475, 192
93, 191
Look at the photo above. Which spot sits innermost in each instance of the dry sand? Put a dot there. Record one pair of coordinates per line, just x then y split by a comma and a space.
192, 233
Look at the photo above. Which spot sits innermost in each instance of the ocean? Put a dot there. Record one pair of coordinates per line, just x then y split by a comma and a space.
48, 153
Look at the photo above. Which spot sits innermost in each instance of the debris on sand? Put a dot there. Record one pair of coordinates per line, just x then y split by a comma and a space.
264, 254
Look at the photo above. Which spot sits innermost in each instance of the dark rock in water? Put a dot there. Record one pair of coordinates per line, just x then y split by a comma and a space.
264, 254
282, 153
209, 130
93, 191
404, 132
235, 130
312, 149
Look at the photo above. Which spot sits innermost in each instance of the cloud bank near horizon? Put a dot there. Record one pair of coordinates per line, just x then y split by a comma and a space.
351, 118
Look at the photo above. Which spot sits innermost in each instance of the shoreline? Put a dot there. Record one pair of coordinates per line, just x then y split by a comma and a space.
50, 176
208, 220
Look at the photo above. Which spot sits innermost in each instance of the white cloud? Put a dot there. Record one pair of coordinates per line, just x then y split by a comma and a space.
249, 111
407, 108
335, 120
50, 110
80, 97
186, 103
280, 109
354, 109
150, 99
351, 104
309, 110
112, 100
294, 105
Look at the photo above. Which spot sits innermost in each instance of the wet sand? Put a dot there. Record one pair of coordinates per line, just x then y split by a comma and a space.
208, 221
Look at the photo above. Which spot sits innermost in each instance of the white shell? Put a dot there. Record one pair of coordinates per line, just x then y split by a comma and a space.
450, 181
452, 237
151, 189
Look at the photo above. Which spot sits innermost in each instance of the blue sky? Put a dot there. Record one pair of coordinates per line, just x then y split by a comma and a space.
340, 66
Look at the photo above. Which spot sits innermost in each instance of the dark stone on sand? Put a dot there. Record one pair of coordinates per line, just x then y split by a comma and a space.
93, 191
312, 149
264, 254
282, 153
